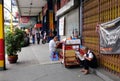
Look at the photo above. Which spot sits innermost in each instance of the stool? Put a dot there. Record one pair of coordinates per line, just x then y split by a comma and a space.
54, 56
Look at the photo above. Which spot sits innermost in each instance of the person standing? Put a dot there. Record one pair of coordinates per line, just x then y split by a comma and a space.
38, 37
33, 36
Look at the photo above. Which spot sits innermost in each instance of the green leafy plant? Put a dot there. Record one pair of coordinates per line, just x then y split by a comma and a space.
14, 41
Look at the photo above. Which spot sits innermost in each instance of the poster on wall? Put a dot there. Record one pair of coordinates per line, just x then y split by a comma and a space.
110, 37
61, 26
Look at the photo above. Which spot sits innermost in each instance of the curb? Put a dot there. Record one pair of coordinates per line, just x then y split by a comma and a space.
106, 76
103, 76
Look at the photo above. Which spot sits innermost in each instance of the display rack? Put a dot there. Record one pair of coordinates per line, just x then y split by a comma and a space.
69, 57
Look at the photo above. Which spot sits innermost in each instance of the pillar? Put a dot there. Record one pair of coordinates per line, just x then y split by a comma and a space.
2, 45
50, 14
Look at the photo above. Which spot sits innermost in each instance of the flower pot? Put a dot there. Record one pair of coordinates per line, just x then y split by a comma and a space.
12, 59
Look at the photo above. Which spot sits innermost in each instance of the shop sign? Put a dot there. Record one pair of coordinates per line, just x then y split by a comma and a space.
24, 19
61, 26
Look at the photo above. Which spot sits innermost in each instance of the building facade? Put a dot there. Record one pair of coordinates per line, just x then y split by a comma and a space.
85, 18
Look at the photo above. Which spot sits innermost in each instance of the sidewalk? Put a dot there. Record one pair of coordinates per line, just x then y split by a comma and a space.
34, 64
32, 55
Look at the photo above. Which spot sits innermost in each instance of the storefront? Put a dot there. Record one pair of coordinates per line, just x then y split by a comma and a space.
69, 19
72, 22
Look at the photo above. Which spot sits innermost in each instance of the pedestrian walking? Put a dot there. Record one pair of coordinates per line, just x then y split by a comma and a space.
38, 37
33, 36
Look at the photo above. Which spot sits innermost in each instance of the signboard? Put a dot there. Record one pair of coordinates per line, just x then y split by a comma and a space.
24, 19
38, 25
27, 22
110, 37
61, 26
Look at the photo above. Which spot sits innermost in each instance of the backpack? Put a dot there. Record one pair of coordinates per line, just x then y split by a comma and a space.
94, 62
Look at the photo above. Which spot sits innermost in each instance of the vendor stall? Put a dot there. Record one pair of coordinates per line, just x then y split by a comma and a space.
69, 56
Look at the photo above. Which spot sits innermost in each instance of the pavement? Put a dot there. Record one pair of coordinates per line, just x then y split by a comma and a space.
34, 64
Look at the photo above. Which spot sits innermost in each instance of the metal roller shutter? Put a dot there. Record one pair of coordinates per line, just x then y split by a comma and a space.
72, 22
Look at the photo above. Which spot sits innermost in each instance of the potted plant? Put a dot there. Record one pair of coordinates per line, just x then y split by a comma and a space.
13, 42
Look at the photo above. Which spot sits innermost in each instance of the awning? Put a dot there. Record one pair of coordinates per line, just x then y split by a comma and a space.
38, 25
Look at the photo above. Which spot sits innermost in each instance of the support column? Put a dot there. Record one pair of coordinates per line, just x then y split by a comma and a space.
81, 20
51, 20
51, 15
2, 45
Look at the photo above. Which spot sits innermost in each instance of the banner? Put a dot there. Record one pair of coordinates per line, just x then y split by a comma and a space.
110, 37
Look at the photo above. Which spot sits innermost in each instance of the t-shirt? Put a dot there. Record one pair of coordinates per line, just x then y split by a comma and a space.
52, 46
90, 55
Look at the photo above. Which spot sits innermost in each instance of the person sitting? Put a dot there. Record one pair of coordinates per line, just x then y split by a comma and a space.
53, 46
88, 61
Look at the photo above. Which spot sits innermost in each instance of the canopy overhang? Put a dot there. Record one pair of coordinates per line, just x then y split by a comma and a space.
30, 7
